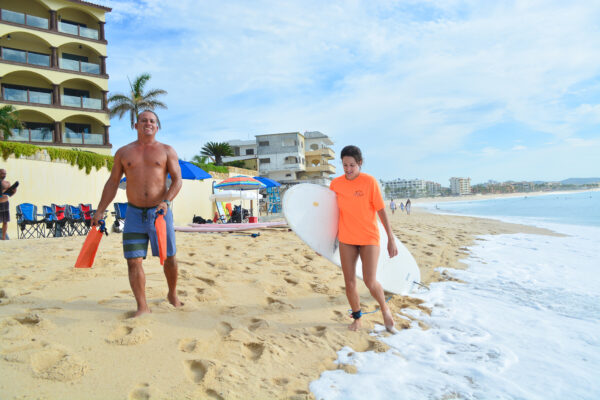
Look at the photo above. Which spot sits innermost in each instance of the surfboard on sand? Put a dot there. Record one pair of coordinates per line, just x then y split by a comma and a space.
312, 213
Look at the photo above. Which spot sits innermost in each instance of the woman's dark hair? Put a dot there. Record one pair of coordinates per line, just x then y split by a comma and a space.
352, 151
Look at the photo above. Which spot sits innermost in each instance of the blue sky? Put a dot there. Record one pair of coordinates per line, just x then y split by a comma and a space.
502, 90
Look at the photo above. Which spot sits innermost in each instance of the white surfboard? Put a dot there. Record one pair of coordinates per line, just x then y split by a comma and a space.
312, 213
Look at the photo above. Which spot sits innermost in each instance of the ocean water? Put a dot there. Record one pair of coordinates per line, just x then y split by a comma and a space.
524, 325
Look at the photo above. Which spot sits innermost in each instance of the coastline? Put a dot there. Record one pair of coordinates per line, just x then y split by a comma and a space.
263, 317
475, 197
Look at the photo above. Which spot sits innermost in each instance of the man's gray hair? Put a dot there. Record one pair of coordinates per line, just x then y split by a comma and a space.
150, 111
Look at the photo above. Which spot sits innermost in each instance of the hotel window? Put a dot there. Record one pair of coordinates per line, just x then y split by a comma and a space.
249, 152
74, 133
263, 144
265, 160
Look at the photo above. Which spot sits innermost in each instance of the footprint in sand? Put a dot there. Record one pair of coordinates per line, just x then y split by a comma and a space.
207, 294
196, 370
56, 363
279, 305
143, 391
291, 281
319, 331
253, 351
127, 335
257, 323
188, 345
224, 328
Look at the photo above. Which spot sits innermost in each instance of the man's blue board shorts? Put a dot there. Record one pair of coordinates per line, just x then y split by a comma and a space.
139, 229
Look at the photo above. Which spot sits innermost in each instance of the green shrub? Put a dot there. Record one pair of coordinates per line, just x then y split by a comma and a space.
83, 159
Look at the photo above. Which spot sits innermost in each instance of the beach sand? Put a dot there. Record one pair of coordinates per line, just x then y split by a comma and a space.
263, 317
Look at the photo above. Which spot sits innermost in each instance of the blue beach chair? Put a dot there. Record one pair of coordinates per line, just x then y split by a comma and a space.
28, 224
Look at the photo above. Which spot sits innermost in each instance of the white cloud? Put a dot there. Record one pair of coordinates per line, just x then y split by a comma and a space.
409, 81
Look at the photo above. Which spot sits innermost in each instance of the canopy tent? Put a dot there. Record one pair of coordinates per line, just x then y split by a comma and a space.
240, 183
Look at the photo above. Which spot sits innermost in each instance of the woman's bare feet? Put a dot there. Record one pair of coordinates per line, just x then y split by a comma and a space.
388, 320
142, 311
356, 325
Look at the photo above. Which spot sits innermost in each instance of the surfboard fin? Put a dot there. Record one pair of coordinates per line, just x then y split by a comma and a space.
161, 234
90, 246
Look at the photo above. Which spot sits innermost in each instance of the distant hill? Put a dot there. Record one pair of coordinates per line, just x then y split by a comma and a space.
579, 181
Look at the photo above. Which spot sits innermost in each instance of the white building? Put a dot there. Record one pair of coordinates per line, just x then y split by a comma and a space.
460, 186
289, 157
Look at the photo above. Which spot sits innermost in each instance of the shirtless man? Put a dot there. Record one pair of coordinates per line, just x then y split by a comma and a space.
145, 163
4, 206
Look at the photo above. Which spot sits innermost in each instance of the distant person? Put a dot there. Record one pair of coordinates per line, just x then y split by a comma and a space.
146, 163
4, 206
402, 206
408, 206
393, 206
360, 202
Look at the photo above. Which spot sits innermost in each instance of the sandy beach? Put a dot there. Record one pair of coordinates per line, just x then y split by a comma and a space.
263, 317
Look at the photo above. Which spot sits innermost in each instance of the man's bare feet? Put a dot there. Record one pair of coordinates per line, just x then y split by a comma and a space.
174, 300
388, 320
142, 311
356, 325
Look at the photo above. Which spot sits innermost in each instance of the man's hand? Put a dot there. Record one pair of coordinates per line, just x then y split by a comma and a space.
162, 206
97, 217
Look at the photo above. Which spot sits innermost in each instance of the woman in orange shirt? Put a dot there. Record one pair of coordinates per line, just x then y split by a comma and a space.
360, 202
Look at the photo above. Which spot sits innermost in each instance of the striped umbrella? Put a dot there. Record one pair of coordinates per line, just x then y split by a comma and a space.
240, 182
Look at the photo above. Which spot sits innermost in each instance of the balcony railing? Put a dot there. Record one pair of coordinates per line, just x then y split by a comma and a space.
79, 66
27, 96
83, 138
25, 19
26, 57
81, 102
32, 135
78, 30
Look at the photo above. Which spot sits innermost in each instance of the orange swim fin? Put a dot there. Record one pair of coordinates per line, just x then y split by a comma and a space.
90, 247
161, 234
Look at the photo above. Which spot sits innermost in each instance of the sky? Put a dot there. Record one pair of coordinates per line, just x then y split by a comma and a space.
491, 90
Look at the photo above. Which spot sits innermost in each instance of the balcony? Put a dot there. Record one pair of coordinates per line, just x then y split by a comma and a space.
323, 152
72, 137
25, 57
27, 96
81, 102
330, 169
24, 19
79, 66
32, 135
78, 30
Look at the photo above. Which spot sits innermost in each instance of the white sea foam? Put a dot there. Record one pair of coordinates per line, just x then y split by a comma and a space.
526, 325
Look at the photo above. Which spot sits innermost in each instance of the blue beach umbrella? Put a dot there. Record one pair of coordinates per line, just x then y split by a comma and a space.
269, 183
188, 171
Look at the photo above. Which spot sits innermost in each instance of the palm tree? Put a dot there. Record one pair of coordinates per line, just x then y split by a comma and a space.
9, 120
137, 101
199, 159
217, 151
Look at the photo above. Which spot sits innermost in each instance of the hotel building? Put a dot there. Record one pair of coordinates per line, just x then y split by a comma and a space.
53, 71
460, 186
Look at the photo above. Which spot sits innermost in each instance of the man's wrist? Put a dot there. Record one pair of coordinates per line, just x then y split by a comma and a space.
168, 202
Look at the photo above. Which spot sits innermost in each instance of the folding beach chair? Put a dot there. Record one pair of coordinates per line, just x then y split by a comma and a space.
119, 214
28, 224
87, 212
75, 220
56, 221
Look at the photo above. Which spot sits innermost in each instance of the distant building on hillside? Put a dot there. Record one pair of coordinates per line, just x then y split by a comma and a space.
289, 157
460, 186
53, 69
